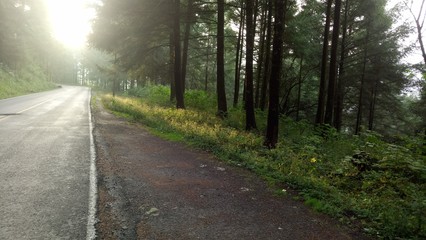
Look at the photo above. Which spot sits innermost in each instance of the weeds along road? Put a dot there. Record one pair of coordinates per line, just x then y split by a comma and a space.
45, 157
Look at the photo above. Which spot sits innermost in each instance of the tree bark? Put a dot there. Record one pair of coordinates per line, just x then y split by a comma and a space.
186, 42
267, 71
338, 116
222, 108
331, 93
322, 88
249, 103
206, 73
172, 67
299, 89
238, 59
274, 81
373, 99
178, 66
361, 88
261, 54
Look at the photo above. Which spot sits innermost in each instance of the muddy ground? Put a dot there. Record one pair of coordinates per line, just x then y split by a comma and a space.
150, 188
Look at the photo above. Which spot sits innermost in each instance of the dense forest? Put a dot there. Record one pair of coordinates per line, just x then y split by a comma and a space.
313, 93
330, 62
19, 50
30, 58
336, 63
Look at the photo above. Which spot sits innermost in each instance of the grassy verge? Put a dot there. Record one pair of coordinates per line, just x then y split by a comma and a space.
28, 80
354, 179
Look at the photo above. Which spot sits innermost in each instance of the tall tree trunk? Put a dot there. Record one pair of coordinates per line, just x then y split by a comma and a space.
274, 81
331, 93
267, 71
243, 51
114, 76
255, 14
361, 88
299, 89
238, 58
139, 79
286, 98
132, 83
338, 115
259, 71
373, 98
178, 66
206, 71
249, 103
186, 42
172, 68
322, 88
222, 108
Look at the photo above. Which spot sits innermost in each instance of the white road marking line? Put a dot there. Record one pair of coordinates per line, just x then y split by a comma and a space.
34, 106
91, 220
27, 109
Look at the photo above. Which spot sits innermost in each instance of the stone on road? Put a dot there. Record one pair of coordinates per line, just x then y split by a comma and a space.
45, 164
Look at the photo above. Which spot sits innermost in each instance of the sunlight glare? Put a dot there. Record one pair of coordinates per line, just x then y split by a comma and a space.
70, 21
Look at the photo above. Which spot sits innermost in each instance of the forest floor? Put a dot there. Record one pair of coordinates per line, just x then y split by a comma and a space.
150, 188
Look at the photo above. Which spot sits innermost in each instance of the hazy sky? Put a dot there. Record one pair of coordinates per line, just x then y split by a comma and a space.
416, 56
70, 21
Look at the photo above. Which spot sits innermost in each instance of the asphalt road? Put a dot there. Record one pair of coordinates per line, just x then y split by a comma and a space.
45, 165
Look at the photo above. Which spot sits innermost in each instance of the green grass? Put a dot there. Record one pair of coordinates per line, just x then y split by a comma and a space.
388, 196
25, 81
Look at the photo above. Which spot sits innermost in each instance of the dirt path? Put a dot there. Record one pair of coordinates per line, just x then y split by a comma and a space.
154, 189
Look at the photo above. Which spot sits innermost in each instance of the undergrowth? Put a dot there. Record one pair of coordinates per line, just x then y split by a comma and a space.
360, 179
27, 80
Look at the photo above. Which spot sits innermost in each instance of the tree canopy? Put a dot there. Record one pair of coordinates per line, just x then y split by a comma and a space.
363, 77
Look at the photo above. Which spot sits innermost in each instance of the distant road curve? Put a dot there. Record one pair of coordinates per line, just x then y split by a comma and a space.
47, 175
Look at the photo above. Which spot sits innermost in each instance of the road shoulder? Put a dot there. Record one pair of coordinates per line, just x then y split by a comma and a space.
150, 188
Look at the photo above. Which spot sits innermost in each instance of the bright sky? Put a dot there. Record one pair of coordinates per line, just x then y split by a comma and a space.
70, 21
414, 57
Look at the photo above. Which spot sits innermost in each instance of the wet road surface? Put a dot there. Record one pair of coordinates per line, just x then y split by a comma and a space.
45, 162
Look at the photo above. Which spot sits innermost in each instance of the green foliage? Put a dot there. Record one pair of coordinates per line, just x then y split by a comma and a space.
200, 100
29, 56
354, 178
28, 80
155, 94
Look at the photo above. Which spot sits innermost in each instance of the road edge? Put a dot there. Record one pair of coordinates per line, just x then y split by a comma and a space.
93, 194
